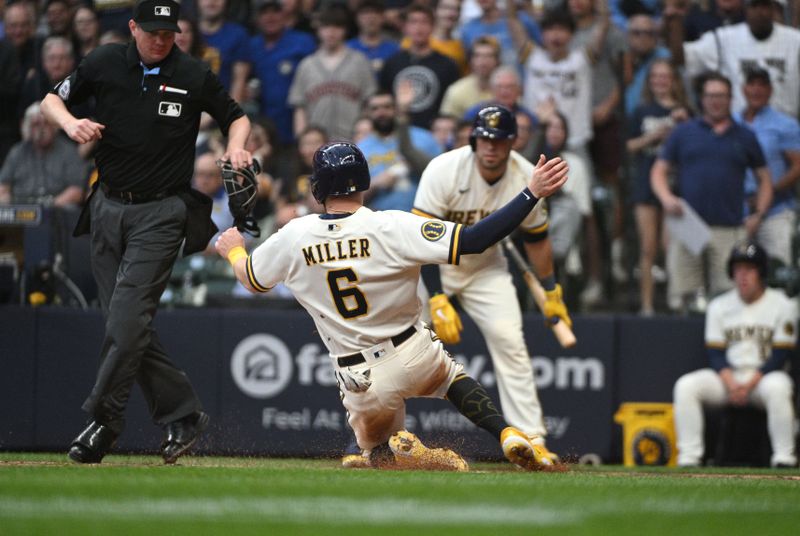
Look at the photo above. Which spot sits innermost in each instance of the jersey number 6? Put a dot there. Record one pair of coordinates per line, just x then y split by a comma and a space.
340, 293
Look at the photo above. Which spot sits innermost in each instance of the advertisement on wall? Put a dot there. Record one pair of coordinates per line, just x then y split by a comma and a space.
267, 382
281, 396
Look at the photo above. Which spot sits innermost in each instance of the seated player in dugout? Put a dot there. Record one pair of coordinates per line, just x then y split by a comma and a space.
466, 185
356, 273
750, 332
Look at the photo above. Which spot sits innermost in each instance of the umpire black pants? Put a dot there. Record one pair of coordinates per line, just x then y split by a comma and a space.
133, 250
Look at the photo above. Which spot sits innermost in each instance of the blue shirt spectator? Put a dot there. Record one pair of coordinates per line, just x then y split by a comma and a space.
384, 152
274, 65
376, 55
499, 30
711, 168
633, 93
225, 47
776, 133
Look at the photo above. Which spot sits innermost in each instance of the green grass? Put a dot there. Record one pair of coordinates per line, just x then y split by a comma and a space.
44, 494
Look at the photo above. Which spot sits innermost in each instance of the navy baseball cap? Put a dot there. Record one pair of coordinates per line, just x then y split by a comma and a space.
154, 15
757, 73
276, 5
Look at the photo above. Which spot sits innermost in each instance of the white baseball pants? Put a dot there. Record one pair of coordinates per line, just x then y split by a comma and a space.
490, 299
704, 387
418, 368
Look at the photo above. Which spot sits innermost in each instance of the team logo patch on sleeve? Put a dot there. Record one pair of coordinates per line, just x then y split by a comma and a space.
63, 89
433, 230
788, 328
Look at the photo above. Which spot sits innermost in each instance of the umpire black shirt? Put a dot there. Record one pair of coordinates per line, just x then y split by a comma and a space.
151, 114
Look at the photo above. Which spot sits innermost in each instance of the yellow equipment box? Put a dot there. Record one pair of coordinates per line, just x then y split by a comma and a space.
648, 433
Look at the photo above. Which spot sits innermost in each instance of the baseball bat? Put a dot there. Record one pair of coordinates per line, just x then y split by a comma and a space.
562, 331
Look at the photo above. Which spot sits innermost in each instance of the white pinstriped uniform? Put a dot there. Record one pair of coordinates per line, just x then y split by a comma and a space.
357, 277
451, 188
747, 333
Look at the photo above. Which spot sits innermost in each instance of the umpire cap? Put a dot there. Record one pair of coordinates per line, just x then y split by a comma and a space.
154, 15
494, 122
749, 252
340, 168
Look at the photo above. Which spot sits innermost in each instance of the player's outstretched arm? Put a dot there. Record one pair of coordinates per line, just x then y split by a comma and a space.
548, 177
230, 245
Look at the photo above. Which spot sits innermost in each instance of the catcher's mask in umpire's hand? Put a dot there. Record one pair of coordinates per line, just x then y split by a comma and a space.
242, 188
495, 123
340, 168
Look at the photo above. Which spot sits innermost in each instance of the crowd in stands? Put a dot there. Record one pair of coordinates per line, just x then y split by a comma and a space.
661, 107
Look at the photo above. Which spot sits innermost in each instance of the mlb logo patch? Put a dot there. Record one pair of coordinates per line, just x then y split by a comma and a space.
63, 89
162, 11
169, 109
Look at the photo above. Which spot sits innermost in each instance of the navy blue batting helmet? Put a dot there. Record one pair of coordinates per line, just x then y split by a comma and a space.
749, 252
494, 122
340, 168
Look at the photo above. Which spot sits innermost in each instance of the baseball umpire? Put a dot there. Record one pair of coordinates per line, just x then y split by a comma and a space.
149, 99
465, 185
356, 273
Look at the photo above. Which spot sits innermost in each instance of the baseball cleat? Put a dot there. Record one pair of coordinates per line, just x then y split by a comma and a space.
519, 450
538, 441
410, 453
355, 461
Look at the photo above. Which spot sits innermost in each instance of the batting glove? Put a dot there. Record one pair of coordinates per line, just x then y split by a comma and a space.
554, 308
446, 322
353, 381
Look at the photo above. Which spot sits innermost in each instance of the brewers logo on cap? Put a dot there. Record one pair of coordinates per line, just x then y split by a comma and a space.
493, 120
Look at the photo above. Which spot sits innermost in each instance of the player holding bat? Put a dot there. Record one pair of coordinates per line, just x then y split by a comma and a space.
356, 272
465, 186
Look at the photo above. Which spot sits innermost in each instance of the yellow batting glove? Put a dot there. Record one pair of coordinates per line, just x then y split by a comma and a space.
554, 307
446, 322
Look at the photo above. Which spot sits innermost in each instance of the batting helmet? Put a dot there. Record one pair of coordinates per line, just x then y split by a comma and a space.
340, 168
494, 122
749, 252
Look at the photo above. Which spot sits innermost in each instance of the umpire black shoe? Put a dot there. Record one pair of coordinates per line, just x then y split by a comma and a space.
92, 444
182, 434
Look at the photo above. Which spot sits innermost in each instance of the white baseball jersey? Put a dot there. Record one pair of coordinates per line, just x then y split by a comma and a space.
749, 332
452, 189
733, 50
356, 275
569, 83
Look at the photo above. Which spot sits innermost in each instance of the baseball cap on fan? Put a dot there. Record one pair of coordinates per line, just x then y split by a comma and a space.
154, 15
276, 5
757, 73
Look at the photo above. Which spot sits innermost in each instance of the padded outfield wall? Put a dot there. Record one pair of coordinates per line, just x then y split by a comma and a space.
266, 381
